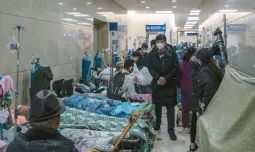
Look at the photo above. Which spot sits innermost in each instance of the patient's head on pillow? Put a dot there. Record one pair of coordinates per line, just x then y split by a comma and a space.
23, 110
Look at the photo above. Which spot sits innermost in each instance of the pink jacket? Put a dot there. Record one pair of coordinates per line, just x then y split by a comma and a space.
6, 85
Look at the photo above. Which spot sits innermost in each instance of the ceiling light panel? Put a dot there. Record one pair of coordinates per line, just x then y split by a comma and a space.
191, 23
60, 3
173, 1
81, 15
147, 7
73, 13
188, 25
105, 13
99, 8
89, 3
90, 19
142, 2
228, 11
174, 6
193, 14
84, 23
163, 12
193, 18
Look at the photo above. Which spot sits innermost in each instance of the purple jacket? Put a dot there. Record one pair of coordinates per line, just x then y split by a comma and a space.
185, 77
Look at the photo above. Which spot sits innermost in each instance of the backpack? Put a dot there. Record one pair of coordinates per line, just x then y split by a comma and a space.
118, 81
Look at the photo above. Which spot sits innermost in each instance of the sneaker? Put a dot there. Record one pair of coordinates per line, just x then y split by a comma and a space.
186, 130
172, 136
193, 149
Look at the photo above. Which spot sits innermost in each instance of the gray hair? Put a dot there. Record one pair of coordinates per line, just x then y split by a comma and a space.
43, 124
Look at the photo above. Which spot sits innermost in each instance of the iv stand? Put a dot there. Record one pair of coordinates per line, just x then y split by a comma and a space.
19, 28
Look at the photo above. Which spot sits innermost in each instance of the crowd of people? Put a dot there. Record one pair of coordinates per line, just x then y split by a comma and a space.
198, 74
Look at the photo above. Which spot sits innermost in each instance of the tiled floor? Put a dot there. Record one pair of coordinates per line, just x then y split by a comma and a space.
163, 142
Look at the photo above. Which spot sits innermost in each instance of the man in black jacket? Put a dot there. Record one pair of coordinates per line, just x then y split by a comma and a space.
44, 117
163, 66
142, 59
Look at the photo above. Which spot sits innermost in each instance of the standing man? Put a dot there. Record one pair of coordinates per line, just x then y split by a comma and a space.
142, 59
163, 66
153, 44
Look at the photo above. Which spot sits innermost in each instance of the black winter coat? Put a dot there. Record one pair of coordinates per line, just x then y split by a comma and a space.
42, 81
209, 84
163, 67
142, 61
194, 86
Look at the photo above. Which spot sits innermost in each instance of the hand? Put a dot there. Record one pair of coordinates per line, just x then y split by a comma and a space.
202, 106
162, 81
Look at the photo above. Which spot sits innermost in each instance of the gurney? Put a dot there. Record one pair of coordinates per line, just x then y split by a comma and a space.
133, 118
141, 136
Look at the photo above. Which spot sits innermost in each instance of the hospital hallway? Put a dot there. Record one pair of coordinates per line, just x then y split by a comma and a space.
91, 75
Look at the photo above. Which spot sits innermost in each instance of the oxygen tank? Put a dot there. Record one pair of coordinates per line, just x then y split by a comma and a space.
98, 59
86, 73
116, 58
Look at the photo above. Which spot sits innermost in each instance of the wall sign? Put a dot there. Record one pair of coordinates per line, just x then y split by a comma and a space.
236, 27
13, 45
192, 34
155, 28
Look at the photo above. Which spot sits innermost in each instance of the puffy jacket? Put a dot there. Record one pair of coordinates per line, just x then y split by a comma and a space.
194, 85
41, 140
166, 67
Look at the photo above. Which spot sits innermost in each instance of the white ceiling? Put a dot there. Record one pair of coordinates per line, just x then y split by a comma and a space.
207, 7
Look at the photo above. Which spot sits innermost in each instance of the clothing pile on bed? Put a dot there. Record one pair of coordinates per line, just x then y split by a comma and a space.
105, 115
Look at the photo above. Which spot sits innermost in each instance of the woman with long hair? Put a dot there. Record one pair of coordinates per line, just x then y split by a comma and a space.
185, 67
207, 82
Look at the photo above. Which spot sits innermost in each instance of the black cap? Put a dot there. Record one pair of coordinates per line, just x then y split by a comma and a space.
144, 45
45, 106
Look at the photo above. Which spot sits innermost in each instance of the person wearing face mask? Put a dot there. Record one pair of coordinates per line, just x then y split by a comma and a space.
142, 59
163, 67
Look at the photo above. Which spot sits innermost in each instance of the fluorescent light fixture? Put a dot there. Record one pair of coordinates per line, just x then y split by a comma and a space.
163, 12
81, 15
69, 20
188, 25
90, 19
99, 8
147, 7
60, 3
173, 1
195, 11
191, 23
193, 18
105, 13
228, 11
88, 3
73, 13
74, 9
84, 23
174, 6
142, 2
226, 6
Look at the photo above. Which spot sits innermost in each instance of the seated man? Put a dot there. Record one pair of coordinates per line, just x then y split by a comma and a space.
124, 87
44, 117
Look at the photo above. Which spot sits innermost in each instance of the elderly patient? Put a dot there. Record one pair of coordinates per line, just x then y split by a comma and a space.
44, 117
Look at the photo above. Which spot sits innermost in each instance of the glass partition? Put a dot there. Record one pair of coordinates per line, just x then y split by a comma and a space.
241, 44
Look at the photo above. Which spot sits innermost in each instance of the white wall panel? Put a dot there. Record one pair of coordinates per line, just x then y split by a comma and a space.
43, 38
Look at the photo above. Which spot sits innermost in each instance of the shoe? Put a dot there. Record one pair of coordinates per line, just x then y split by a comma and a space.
173, 137
157, 126
186, 130
193, 149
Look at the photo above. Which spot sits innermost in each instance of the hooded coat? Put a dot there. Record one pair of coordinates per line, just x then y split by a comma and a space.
165, 66
41, 140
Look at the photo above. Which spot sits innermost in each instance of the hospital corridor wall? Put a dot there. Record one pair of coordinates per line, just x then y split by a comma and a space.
60, 46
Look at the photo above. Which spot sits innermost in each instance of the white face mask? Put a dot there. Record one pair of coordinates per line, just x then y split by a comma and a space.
160, 45
145, 51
